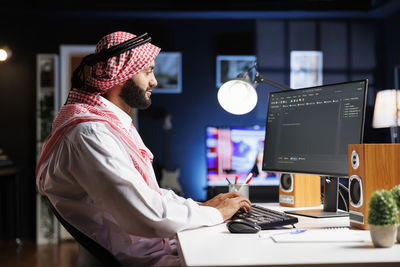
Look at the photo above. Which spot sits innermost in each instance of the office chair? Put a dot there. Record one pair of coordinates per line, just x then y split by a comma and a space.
90, 252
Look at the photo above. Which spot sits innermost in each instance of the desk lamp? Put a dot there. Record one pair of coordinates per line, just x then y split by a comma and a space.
386, 112
238, 96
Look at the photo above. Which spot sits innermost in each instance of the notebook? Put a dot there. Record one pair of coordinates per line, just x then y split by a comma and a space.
322, 235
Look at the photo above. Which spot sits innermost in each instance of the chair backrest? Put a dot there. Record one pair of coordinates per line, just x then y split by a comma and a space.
98, 251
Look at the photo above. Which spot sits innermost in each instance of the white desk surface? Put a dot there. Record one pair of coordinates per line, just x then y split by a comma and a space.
216, 246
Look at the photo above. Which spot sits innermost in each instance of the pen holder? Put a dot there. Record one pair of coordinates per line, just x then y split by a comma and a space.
241, 188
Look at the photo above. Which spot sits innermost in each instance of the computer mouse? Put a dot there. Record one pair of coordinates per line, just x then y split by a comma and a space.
241, 226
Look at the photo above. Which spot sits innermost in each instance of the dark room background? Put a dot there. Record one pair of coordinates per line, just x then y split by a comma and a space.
354, 47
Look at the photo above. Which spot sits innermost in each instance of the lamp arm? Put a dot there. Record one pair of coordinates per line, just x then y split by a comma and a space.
259, 79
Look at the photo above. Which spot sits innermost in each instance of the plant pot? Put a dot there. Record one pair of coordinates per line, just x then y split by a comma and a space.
383, 236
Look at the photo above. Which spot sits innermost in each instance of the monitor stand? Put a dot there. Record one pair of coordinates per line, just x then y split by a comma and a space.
330, 208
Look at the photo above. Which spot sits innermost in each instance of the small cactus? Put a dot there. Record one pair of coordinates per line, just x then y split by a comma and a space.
396, 194
382, 209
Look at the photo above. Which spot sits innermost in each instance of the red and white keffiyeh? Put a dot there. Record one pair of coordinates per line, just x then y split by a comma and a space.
83, 107
115, 70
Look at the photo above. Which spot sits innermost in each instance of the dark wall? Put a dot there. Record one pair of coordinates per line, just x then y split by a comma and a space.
392, 47
353, 49
200, 41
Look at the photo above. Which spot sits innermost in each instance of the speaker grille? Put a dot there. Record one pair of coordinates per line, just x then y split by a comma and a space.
355, 191
286, 182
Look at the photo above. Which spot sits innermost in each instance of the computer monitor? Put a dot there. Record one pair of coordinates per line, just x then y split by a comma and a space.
236, 151
308, 131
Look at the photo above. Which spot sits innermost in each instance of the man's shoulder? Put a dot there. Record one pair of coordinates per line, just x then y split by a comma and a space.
88, 125
88, 128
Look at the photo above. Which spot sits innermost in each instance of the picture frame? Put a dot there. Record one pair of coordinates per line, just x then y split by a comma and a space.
168, 72
229, 66
70, 58
305, 68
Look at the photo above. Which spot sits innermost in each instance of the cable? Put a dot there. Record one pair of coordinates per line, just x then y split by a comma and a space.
345, 188
341, 195
117, 49
344, 200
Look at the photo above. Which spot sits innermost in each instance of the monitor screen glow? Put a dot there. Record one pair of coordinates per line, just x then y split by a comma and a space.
308, 130
236, 151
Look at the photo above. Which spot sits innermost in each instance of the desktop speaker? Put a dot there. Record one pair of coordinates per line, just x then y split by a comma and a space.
299, 190
371, 167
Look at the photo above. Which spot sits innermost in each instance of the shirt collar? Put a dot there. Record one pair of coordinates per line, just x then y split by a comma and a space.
125, 119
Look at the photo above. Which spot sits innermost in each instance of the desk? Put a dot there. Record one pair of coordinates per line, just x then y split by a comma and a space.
215, 246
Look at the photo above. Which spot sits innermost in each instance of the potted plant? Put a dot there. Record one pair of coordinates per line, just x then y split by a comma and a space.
382, 218
396, 195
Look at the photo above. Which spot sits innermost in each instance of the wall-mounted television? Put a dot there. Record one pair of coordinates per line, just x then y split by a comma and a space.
236, 151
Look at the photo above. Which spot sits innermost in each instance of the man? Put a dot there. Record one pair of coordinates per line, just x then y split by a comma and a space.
98, 174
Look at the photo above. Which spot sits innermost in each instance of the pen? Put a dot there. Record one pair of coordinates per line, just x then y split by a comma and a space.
248, 178
228, 180
298, 231
248, 181
236, 178
295, 232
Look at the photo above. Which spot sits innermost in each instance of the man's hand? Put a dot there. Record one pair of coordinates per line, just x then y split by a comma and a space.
229, 203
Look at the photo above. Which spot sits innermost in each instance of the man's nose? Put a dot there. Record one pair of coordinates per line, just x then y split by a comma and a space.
153, 82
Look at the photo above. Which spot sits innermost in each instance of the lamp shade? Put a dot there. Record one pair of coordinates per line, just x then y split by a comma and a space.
237, 96
386, 111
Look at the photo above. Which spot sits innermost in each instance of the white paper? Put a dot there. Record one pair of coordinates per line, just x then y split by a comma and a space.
322, 235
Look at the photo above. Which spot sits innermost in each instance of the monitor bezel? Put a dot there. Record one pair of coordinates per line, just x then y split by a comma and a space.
313, 87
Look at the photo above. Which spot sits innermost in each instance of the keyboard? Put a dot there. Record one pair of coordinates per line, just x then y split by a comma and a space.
266, 218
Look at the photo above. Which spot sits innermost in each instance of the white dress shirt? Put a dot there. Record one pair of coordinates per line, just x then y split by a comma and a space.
91, 181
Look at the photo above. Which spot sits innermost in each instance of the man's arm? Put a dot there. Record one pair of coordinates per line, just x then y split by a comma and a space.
98, 163
226, 203
229, 203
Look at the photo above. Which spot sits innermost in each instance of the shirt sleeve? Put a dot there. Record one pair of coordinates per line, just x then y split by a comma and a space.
101, 166
168, 193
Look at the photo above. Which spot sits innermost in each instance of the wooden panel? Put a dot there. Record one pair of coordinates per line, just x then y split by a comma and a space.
379, 169
306, 191
360, 171
382, 166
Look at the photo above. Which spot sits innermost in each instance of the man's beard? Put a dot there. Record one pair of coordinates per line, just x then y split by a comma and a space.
135, 96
